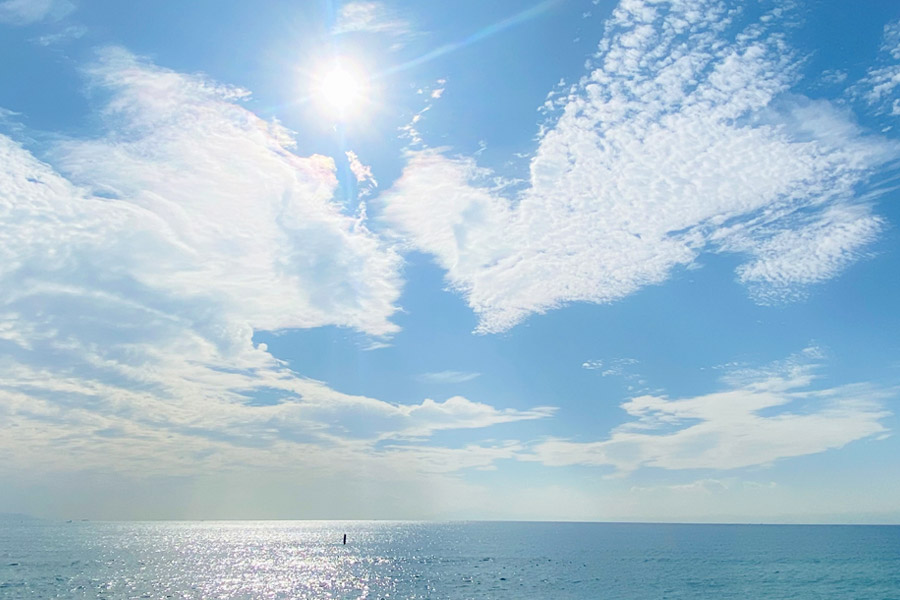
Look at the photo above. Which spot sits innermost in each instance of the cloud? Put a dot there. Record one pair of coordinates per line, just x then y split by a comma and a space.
448, 377
26, 12
814, 253
621, 367
135, 270
372, 17
460, 413
878, 87
410, 130
761, 417
891, 40
683, 139
362, 173
834, 76
230, 212
338, 417
73, 32
9, 118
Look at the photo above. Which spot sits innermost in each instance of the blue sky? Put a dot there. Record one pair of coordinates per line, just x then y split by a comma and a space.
556, 260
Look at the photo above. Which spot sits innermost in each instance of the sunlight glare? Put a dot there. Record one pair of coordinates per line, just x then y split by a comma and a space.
341, 90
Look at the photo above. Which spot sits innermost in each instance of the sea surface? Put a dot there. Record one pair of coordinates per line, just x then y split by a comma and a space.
446, 561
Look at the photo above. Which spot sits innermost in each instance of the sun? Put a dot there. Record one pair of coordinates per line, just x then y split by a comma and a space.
341, 90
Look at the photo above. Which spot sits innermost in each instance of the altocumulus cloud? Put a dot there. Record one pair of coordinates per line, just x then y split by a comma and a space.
878, 87
683, 138
134, 271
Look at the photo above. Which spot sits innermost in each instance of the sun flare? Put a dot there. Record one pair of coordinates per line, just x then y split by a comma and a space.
341, 90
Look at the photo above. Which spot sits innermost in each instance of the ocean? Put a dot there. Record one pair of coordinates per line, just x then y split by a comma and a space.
445, 561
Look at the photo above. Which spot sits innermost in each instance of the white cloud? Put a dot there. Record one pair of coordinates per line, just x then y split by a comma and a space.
878, 87
73, 32
682, 139
339, 416
448, 376
131, 287
834, 76
621, 367
9, 119
814, 253
26, 12
460, 413
410, 131
376, 345
362, 173
761, 417
228, 211
891, 40
373, 17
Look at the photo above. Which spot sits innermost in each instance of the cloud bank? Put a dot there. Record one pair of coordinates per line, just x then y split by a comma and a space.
135, 270
684, 138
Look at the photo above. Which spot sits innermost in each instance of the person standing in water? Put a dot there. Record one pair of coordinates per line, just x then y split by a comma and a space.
345, 539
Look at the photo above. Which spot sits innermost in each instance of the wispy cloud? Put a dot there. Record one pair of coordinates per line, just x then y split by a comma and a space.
684, 138
10, 119
776, 414
25, 12
371, 17
72, 32
448, 376
617, 366
136, 269
362, 173
410, 131
891, 40
268, 243
790, 259
460, 413
878, 87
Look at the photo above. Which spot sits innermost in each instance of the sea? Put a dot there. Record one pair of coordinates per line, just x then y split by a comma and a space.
447, 561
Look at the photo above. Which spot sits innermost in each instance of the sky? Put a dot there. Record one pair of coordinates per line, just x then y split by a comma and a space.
555, 260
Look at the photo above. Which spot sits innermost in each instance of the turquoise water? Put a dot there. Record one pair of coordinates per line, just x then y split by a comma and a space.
399, 560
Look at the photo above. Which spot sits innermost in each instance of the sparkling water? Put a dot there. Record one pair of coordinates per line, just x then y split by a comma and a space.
398, 560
